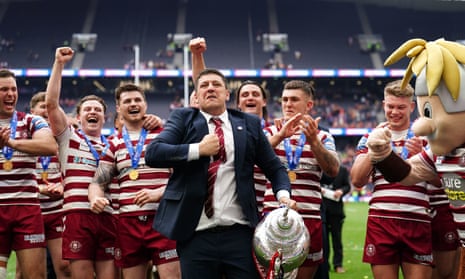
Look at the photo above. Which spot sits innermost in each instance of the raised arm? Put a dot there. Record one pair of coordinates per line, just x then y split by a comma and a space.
197, 46
57, 117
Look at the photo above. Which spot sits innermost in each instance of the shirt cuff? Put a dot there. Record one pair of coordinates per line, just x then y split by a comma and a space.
193, 152
283, 193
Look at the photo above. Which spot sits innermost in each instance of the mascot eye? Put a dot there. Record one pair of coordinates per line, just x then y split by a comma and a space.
427, 110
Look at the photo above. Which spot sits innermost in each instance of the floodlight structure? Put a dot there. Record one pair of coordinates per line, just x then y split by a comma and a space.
176, 43
275, 43
182, 38
179, 44
84, 42
371, 43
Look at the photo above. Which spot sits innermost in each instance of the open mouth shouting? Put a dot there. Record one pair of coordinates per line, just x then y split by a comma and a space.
134, 111
10, 105
92, 120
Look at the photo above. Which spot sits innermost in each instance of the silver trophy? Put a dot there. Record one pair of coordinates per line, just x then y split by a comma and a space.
281, 243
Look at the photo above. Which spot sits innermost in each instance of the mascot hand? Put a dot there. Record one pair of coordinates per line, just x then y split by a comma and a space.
379, 144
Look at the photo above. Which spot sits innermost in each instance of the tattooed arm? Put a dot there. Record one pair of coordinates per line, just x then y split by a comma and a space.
102, 178
327, 160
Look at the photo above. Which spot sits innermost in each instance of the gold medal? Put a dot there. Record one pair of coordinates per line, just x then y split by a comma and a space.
133, 174
292, 175
8, 165
44, 176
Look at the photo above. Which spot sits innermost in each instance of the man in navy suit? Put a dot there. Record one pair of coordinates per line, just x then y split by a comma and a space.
219, 245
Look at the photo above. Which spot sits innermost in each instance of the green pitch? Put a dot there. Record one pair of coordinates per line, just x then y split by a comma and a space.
353, 240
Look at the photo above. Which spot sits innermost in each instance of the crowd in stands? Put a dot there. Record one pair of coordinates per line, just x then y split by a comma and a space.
340, 107
346, 112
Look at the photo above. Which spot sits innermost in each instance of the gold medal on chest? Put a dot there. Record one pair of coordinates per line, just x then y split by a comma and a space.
8, 165
133, 174
292, 175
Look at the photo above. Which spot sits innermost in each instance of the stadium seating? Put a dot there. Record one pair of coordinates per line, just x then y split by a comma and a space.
321, 35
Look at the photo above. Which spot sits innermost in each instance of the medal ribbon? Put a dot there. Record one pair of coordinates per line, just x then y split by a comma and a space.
404, 152
44, 161
8, 151
293, 158
263, 123
92, 149
134, 154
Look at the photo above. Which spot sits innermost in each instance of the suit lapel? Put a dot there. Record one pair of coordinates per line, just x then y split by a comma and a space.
196, 133
239, 135
200, 126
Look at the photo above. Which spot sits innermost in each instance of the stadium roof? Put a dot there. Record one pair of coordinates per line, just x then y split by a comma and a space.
428, 5
425, 5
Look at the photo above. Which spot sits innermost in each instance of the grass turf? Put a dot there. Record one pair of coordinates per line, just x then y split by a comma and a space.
353, 240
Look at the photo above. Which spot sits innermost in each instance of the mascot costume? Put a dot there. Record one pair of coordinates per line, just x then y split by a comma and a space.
439, 67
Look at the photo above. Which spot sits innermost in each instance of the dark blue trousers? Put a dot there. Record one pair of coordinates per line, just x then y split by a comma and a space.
221, 252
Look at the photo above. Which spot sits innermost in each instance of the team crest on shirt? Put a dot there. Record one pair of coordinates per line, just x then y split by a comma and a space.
370, 250
118, 254
75, 246
450, 237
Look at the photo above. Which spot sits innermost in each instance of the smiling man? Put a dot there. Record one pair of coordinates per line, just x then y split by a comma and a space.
22, 136
88, 238
250, 98
212, 213
398, 235
140, 189
308, 152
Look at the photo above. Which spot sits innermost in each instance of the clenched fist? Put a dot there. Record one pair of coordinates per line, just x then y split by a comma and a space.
64, 54
197, 45
379, 144
209, 145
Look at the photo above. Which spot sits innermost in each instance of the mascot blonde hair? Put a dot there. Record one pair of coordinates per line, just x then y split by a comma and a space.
439, 68
440, 90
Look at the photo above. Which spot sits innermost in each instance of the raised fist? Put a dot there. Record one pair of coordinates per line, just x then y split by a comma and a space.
198, 45
379, 144
64, 54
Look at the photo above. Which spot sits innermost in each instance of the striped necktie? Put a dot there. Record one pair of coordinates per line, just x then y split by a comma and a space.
214, 165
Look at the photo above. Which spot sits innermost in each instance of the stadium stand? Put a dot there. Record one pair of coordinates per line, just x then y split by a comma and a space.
322, 28
321, 34
36, 29
120, 27
398, 25
226, 28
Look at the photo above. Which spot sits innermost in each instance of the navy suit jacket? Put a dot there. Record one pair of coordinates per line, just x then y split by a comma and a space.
183, 201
